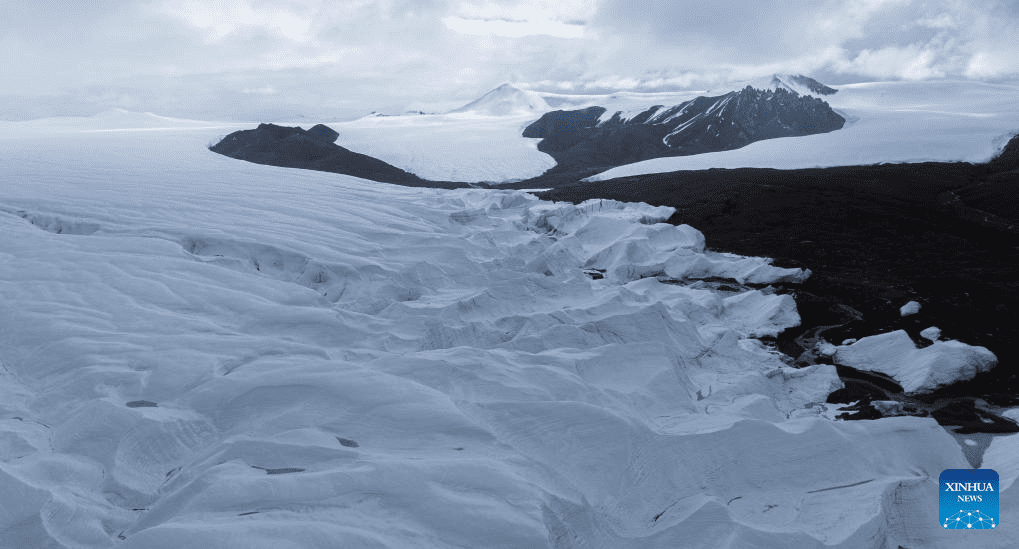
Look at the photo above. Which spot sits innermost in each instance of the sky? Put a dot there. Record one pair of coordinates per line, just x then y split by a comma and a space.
258, 59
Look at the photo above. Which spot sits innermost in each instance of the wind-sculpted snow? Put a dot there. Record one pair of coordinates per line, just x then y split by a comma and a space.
247, 356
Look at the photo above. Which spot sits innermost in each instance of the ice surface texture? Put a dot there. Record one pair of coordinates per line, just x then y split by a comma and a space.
242, 356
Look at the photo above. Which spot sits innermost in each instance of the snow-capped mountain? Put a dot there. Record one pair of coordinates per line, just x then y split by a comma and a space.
797, 83
505, 100
584, 139
803, 85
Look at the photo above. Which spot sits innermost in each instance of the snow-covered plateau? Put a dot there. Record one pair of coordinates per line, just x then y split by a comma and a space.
202, 352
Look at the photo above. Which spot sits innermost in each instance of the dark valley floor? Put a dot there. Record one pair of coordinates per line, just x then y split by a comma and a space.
875, 237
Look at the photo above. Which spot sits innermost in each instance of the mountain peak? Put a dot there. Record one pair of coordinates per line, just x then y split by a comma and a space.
505, 100
800, 84
797, 83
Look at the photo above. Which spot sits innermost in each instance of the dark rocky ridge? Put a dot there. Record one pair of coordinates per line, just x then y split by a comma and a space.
582, 146
314, 150
813, 85
875, 237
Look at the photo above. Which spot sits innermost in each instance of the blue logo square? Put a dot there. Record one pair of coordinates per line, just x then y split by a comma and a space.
969, 499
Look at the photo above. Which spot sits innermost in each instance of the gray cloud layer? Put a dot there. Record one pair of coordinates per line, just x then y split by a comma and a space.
255, 58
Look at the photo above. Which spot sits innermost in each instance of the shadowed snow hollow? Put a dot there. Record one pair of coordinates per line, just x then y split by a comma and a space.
242, 356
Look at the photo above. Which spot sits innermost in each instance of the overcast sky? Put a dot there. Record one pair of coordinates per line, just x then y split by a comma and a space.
252, 58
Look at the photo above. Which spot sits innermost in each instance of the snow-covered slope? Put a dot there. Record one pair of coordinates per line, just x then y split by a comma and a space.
505, 100
625, 102
803, 85
200, 352
798, 83
112, 120
478, 142
886, 122
590, 140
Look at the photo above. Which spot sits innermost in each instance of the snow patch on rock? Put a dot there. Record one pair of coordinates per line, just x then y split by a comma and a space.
910, 308
917, 370
932, 333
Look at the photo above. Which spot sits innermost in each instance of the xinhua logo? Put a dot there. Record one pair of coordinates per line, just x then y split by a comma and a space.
969, 499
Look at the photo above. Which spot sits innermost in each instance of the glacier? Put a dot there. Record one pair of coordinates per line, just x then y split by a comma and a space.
199, 351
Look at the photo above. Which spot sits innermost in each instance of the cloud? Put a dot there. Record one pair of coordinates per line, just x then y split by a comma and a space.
659, 44
264, 90
514, 28
363, 55
219, 18
564, 19
912, 62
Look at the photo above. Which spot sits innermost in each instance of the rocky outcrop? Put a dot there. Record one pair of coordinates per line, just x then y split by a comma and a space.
324, 132
1008, 159
806, 84
587, 141
313, 150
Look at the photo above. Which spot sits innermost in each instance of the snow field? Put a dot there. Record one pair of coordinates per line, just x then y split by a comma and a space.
483, 143
200, 351
465, 147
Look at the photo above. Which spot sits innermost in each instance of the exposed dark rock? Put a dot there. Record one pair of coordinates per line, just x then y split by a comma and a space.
1008, 159
141, 404
324, 132
875, 237
296, 148
813, 85
970, 419
583, 146
562, 129
279, 471
284, 471
347, 442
